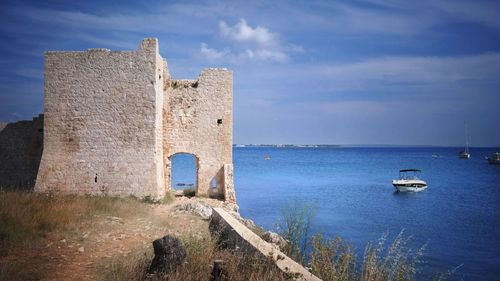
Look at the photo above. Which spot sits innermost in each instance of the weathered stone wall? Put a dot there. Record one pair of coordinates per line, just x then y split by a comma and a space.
21, 146
198, 120
104, 122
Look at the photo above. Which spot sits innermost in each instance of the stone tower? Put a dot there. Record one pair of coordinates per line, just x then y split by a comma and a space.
114, 119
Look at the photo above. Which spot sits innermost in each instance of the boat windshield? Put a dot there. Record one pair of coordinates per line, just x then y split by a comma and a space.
409, 174
408, 177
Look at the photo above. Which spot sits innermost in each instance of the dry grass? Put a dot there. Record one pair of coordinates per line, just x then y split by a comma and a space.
30, 222
28, 217
334, 260
133, 267
394, 262
201, 254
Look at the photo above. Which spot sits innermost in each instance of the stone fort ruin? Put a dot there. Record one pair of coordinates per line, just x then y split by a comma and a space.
114, 119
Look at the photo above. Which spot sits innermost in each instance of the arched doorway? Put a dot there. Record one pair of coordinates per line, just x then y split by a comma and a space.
183, 171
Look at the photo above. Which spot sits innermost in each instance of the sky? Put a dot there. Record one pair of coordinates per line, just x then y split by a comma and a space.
305, 72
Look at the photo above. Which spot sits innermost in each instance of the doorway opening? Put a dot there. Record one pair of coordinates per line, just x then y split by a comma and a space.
184, 171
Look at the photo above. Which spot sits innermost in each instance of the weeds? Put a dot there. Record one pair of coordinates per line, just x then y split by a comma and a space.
295, 228
334, 259
397, 262
190, 192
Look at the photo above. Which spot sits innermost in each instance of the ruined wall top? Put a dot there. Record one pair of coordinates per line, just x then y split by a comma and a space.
147, 44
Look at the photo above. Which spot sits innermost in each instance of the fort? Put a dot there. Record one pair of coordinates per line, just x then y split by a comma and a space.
112, 122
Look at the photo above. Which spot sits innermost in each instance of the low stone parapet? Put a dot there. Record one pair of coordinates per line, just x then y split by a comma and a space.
233, 235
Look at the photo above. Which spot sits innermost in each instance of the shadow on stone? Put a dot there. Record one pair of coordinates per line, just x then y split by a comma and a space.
21, 145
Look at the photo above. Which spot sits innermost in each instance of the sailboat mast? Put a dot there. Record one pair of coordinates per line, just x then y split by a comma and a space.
466, 140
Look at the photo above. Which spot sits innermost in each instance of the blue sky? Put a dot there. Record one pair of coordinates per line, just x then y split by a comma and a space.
329, 72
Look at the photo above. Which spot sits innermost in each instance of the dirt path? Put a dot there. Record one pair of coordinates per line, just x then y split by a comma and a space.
104, 239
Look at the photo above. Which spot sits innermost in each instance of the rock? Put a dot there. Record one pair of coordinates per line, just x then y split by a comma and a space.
198, 208
169, 253
231, 207
81, 249
274, 238
247, 222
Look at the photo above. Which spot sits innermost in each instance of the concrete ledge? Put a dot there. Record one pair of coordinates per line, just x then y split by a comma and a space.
235, 236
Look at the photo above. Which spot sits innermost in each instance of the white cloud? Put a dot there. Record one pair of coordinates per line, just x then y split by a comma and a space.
213, 54
264, 55
416, 69
391, 72
242, 32
226, 55
249, 44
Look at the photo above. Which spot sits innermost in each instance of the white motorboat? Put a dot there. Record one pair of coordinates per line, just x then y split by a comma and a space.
494, 158
408, 181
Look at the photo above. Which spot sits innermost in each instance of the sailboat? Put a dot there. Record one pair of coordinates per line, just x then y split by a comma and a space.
464, 154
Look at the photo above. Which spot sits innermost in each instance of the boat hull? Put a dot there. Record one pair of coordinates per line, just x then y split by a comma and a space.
493, 161
464, 155
410, 188
409, 185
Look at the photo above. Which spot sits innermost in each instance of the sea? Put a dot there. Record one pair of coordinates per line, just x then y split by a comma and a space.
457, 218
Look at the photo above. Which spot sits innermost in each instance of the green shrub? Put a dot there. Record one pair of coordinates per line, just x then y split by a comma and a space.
295, 228
190, 192
168, 198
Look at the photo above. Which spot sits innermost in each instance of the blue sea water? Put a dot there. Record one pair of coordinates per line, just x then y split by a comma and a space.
458, 216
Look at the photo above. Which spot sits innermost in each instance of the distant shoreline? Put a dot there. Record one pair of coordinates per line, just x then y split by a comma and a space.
353, 146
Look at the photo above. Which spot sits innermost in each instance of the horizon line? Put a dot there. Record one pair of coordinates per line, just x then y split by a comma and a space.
360, 145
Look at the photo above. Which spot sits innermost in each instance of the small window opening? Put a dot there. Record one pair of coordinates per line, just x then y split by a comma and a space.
213, 184
219, 121
95, 179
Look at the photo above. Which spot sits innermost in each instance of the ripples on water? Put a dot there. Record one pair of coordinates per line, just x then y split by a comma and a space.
458, 215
